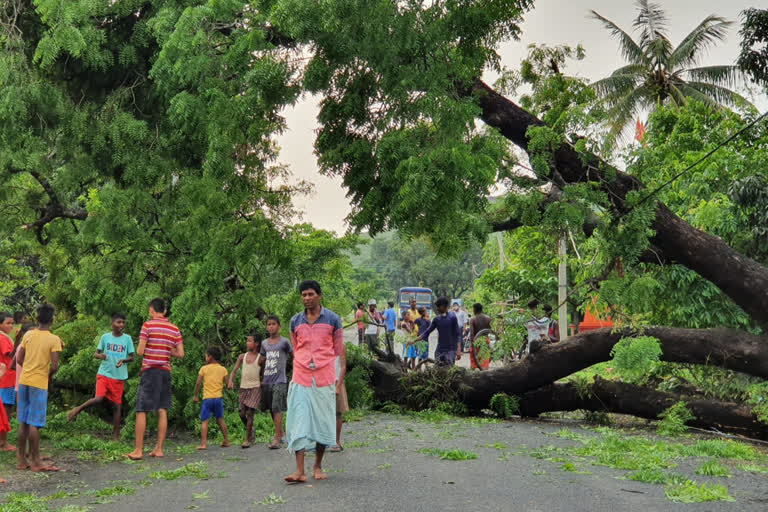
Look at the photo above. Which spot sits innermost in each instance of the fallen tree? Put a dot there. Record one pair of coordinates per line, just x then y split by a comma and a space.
618, 397
727, 348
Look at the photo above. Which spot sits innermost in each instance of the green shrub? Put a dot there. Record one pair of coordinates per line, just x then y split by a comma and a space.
504, 405
636, 358
359, 389
674, 420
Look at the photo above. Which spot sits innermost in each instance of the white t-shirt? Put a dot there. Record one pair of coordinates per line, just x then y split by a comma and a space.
536, 327
372, 328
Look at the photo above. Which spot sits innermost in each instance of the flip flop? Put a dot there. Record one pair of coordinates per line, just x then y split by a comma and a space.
337, 448
132, 457
290, 479
273, 446
245, 446
45, 468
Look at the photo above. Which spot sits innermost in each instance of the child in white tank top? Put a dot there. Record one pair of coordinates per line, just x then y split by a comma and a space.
250, 386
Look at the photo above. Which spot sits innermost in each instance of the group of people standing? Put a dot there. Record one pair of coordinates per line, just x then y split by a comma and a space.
314, 401
452, 325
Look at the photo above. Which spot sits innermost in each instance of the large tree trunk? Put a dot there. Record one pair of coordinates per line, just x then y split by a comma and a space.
618, 397
727, 348
741, 278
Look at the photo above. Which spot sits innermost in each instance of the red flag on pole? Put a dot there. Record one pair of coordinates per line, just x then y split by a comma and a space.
639, 131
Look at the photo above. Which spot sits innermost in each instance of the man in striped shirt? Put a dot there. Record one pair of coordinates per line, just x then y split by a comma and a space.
159, 341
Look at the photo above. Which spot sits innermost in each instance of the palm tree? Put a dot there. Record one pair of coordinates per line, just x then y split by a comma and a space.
658, 73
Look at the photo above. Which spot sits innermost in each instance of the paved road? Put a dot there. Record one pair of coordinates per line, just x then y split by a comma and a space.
381, 469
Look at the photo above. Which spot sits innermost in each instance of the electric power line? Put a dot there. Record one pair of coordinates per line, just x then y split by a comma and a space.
697, 162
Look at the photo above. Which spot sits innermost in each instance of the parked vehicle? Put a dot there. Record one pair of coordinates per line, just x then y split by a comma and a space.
423, 296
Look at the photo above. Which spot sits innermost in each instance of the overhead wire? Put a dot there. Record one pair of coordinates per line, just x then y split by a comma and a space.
700, 160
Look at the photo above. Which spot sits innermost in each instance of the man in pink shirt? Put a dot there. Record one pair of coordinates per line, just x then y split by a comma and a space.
318, 338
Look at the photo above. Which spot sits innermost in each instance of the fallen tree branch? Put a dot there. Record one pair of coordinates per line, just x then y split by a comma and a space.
619, 397
726, 348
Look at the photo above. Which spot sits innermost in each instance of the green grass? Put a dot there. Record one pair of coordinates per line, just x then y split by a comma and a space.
691, 492
23, 502
648, 460
713, 468
496, 446
196, 469
656, 476
117, 490
454, 454
60, 495
356, 415
272, 499
571, 468
753, 468
384, 466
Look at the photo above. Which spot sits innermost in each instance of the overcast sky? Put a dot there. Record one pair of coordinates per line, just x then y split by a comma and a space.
551, 22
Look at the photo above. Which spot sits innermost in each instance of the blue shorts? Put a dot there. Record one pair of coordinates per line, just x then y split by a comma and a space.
8, 396
33, 405
447, 358
212, 407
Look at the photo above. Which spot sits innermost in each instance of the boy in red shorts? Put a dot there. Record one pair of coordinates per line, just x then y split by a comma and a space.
115, 349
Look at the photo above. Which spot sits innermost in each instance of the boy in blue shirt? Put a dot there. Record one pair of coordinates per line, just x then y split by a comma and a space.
115, 349
390, 319
448, 349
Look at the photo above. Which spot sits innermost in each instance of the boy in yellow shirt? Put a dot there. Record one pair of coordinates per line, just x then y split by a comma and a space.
213, 376
39, 356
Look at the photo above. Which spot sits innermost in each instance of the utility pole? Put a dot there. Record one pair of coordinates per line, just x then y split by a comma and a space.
562, 289
501, 249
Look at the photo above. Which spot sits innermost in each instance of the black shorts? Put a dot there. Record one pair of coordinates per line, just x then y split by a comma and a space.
274, 398
154, 390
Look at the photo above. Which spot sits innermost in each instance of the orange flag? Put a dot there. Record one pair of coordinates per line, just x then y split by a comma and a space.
639, 131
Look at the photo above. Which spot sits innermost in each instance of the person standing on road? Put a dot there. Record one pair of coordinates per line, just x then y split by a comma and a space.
476, 324
462, 318
274, 390
390, 319
158, 342
342, 405
359, 314
422, 324
553, 328
448, 349
414, 310
410, 352
374, 320
537, 328
318, 338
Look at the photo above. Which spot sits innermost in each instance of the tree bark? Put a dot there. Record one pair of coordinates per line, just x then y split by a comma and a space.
618, 397
741, 278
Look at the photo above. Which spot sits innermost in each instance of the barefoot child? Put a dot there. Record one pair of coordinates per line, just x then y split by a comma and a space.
213, 376
38, 355
159, 341
250, 386
8, 380
115, 350
274, 388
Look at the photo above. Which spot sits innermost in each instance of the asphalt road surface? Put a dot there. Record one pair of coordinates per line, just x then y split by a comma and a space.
381, 469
